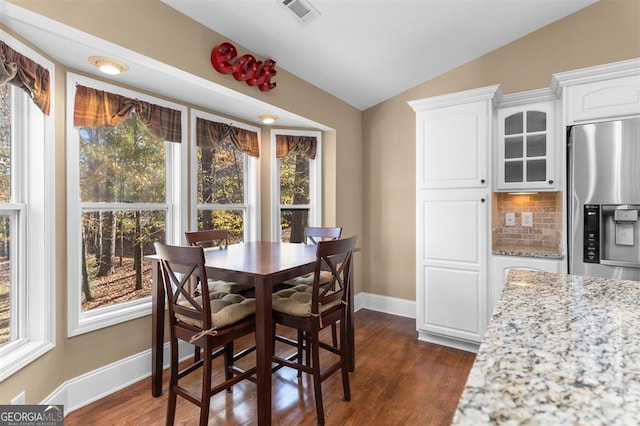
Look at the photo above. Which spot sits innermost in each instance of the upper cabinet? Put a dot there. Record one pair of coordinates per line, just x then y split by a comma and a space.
453, 134
526, 147
600, 93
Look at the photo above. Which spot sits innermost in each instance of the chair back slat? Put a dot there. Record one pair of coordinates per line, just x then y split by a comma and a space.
180, 267
314, 234
208, 238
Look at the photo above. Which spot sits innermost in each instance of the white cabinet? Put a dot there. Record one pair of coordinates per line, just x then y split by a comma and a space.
600, 93
453, 151
453, 157
614, 98
526, 147
452, 264
503, 264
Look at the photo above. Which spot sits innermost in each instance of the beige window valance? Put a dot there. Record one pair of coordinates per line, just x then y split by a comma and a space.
20, 71
96, 108
211, 133
306, 145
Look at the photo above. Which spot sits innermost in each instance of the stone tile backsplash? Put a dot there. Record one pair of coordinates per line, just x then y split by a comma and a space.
546, 232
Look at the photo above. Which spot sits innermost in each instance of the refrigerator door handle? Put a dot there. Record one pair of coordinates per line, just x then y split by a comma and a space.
620, 263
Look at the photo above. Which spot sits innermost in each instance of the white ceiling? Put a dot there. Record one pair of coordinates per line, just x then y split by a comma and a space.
365, 51
361, 51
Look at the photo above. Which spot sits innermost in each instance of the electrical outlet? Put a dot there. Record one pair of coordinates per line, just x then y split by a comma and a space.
19, 399
510, 219
527, 220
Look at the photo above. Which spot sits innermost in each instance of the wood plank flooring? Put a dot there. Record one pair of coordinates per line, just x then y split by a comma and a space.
398, 380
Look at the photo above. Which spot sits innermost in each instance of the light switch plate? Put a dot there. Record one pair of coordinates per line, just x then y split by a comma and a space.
527, 220
510, 219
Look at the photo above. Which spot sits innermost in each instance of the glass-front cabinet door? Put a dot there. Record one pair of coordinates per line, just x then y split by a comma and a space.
526, 147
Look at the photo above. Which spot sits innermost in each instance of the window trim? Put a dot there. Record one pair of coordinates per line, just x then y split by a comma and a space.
79, 322
315, 183
251, 207
35, 267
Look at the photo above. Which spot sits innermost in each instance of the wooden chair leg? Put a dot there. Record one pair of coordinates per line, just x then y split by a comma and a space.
334, 335
205, 398
344, 357
317, 383
228, 362
173, 381
301, 346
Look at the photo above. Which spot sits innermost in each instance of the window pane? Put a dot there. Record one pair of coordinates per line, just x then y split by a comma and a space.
536, 121
294, 179
293, 222
536, 145
513, 171
5, 143
513, 147
232, 220
124, 164
513, 124
536, 170
220, 174
5, 281
114, 243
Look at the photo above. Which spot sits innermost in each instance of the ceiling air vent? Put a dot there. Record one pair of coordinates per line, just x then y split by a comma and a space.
304, 11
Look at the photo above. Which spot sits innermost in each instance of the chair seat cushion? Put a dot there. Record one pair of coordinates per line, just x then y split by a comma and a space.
296, 301
226, 287
226, 309
307, 279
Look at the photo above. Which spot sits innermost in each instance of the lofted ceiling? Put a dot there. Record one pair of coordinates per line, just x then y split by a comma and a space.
365, 51
361, 51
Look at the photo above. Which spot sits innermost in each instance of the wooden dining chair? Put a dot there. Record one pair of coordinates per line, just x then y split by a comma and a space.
312, 308
217, 238
312, 235
207, 321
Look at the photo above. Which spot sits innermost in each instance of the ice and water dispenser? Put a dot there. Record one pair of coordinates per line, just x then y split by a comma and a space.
612, 234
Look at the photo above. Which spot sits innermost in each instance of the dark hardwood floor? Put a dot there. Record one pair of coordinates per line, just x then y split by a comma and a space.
398, 380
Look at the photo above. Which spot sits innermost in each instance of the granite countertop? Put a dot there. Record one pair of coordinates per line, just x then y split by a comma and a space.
561, 350
526, 251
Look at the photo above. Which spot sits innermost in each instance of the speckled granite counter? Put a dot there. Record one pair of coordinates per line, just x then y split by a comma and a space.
559, 350
526, 251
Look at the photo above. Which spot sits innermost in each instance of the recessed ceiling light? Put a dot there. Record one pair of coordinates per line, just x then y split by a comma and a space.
108, 65
268, 119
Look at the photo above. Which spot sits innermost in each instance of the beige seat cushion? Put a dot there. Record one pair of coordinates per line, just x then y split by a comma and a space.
307, 279
296, 301
226, 309
226, 287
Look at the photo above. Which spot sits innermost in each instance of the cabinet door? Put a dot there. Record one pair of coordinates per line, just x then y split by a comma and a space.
607, 99
452, 263
503, 264
452, 146
526, 147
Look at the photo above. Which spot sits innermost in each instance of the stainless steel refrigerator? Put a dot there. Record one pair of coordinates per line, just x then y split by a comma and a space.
604, 199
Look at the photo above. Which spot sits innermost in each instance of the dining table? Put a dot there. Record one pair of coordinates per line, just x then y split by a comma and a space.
262, 264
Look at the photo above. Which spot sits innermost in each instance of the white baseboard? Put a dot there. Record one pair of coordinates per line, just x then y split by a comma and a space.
94, 385
386, 304
104, 381
447, 341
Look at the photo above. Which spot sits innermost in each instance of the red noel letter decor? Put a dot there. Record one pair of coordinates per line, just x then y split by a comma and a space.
246, 68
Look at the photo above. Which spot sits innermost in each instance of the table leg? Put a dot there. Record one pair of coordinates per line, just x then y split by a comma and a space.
157, 330
263, 348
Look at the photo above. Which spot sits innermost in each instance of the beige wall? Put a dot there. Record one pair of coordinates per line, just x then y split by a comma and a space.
142, 27
370, 153
607, 31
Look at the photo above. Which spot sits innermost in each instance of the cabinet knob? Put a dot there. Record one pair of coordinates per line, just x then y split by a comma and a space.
550, 181
481, 180
482, 200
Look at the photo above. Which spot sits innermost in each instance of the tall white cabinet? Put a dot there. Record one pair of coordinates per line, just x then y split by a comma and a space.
453, 188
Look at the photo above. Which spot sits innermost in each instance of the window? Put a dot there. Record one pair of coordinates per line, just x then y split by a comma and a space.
124, 189
296, 183
27, 302
224, 176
